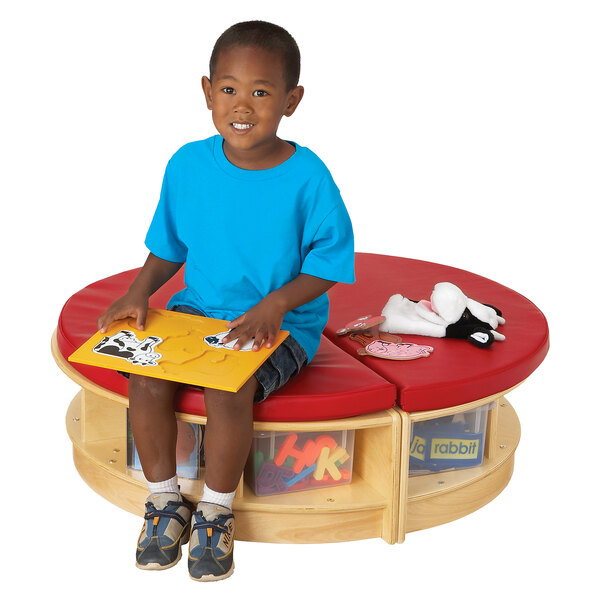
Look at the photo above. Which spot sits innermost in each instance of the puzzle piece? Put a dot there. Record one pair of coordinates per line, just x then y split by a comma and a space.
125, 345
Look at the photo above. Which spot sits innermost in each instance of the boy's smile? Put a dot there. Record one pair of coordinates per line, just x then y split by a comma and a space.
247, 96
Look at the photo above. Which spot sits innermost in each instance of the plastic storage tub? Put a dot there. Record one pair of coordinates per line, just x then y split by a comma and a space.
283, 462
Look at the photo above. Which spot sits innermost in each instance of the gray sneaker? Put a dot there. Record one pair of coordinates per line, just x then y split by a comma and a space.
166, 528
211, 543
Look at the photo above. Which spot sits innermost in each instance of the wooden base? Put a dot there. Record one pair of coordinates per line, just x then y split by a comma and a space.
381, 501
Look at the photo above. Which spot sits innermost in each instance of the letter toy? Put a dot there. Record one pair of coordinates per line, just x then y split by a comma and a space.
307, 455
327, 462
272, 479
290, 482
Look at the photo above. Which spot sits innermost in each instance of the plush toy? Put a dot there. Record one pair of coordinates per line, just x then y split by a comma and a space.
367, 323
392, 350
449, 313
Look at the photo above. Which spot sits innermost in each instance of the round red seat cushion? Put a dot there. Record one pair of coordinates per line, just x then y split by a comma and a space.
335, 385
457, 372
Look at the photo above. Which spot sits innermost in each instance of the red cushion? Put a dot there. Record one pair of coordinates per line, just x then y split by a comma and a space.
335, 385
457, 372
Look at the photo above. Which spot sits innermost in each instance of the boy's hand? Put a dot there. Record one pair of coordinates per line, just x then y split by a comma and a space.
130, 305
262, 322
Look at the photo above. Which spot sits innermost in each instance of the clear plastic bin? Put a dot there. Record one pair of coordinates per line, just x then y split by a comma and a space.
189, 451
283, 462
449, 443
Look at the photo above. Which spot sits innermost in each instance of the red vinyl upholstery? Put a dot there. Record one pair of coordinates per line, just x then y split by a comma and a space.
338, 383
457, 372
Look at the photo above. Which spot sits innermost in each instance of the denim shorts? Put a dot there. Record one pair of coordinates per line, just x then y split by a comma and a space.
277, 370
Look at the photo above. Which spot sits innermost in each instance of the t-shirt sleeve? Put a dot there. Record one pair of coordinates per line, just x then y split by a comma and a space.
162, 239
331, 250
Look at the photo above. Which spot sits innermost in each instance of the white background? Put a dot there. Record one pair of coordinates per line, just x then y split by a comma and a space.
464, 133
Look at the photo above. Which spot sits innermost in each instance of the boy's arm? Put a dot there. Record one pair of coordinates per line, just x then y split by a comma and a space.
134, 303
263, 321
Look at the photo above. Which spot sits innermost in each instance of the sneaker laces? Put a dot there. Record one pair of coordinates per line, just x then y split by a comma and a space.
209, 518
164, 512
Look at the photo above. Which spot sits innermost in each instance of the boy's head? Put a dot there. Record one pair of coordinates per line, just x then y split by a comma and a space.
254, 70
268, 37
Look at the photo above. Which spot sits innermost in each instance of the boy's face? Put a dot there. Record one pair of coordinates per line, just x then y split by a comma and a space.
247, 96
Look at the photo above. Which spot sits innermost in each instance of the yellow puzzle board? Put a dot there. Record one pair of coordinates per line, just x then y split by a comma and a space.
181, 355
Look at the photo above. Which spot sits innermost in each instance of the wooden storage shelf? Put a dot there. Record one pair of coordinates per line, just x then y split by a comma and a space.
381, 501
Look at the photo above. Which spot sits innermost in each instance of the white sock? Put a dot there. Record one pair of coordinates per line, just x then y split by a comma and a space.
169, 485
213, 497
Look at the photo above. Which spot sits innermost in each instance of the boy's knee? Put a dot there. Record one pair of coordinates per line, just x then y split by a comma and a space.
150, 387
232, 400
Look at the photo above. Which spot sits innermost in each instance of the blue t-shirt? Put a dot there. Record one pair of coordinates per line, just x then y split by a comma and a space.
243, 234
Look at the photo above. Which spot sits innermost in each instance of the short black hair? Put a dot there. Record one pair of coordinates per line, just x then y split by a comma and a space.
266, 36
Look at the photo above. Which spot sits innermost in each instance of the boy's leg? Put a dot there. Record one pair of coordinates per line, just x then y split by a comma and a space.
152, 418
227, 442
167, 516
228, 435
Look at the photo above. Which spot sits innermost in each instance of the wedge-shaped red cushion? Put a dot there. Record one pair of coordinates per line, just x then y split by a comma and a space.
457, 372
335, 385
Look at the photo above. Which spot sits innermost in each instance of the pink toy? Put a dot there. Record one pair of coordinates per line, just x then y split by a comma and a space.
361, 324
394, 350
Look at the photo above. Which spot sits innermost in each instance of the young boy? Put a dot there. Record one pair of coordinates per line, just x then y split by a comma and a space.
263, 232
